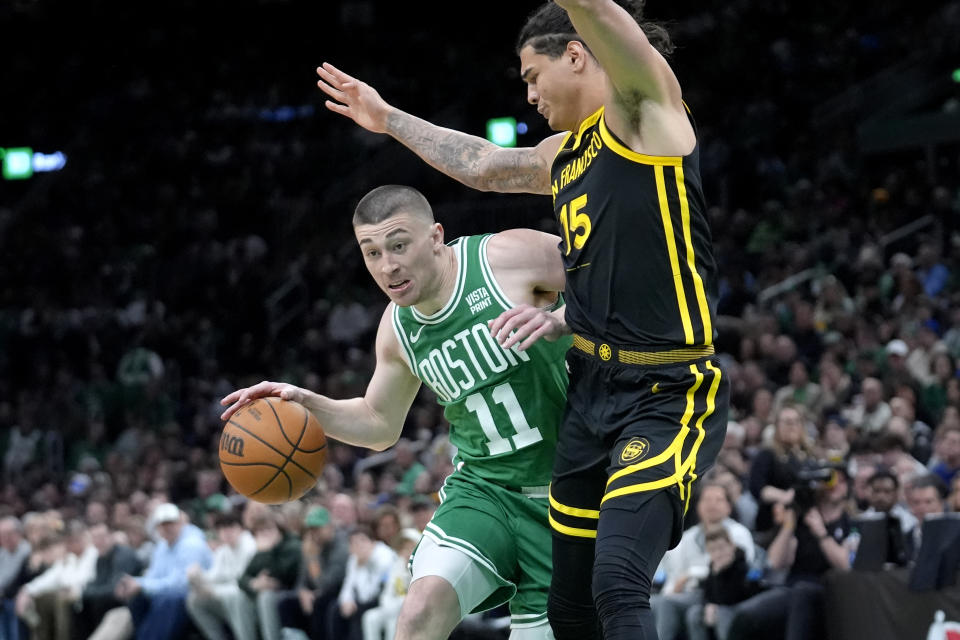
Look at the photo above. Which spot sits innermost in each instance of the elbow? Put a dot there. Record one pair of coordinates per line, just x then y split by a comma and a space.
380, 446
385, 443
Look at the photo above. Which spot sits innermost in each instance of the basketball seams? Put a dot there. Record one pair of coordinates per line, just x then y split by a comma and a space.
280, 424
265, 443
249, 464
272, 448
288, 457
306, 419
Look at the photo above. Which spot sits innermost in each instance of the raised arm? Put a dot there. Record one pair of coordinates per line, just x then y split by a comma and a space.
374, 420
635, 68
474, 161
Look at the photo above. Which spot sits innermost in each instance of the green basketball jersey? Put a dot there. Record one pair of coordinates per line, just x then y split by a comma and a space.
503, 405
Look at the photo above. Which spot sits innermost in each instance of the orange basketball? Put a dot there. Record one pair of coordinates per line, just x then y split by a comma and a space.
272, 450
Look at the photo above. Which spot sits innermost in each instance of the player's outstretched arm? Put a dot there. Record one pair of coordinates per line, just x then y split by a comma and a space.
373, 421
474, 161
635, 68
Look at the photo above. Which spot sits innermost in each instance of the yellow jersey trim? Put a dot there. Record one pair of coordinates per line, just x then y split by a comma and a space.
586, 124
563, 145
691, 463
573, 511
680, 468
618, 147
674, 259
692, 261
571, 531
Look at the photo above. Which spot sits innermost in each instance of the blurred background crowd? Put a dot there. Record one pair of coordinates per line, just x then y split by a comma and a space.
198, 240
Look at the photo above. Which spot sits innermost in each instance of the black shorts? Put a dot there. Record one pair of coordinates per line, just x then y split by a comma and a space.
633, 429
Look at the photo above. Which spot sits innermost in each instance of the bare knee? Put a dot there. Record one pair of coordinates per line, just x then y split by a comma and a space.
431, 609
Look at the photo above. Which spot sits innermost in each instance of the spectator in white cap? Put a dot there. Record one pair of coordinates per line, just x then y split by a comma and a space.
156, 602
895, 371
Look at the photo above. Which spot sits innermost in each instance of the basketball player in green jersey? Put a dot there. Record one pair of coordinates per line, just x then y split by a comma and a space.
647, 399
489, 541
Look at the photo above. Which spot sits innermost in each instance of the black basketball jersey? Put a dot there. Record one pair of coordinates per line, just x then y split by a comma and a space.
635, 242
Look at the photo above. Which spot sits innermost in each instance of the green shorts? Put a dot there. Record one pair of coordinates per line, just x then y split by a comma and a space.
505, 532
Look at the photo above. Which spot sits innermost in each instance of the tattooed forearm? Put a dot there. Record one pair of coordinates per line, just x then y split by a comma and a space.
475, 162
457, 154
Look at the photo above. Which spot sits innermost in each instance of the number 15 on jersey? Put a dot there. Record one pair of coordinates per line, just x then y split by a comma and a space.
576, 223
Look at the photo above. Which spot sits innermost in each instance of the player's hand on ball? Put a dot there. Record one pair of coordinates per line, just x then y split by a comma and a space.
354, 99
264, 389
525, 324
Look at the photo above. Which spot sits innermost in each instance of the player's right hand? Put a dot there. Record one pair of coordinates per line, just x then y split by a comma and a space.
352, 98
263, 389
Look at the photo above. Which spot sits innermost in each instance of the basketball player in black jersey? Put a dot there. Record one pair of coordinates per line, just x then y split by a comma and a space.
648, 402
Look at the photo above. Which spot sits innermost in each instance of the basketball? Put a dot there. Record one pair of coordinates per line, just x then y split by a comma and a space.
272, 450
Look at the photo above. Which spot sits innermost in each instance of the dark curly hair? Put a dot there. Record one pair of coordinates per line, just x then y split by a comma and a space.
548, 29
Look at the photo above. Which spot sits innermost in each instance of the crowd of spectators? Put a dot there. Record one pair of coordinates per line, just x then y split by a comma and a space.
198, 240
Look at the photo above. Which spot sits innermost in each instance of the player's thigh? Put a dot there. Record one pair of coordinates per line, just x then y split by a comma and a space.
579, 480
579, 472
534, 542
450, 578
678, 416
473, 521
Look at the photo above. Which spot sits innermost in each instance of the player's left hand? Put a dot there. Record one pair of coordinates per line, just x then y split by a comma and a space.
525, 324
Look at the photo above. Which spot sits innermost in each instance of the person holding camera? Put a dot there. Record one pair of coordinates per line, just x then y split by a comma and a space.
775, 468
811, 539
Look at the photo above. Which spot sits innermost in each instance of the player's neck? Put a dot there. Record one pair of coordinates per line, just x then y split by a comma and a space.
442, 287
591, 97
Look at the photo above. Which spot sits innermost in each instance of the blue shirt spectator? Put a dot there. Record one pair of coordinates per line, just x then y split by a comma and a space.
181, 545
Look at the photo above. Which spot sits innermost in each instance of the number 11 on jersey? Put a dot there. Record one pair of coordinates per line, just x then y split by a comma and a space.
503, 395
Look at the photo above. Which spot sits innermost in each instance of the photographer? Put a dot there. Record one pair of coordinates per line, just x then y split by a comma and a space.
773, 472
811, 540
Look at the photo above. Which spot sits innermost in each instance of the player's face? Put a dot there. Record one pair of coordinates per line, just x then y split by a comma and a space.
400, 254
550, 87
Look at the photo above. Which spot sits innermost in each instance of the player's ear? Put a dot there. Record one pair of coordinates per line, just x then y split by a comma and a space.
577, 55
436, 234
